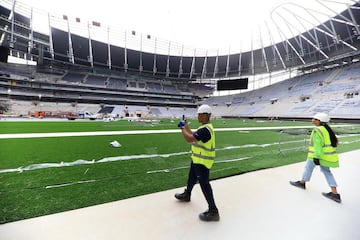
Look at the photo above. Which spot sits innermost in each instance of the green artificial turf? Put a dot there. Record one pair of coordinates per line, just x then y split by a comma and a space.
145, 163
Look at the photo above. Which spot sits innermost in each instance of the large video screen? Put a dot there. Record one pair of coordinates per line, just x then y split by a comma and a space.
233, 84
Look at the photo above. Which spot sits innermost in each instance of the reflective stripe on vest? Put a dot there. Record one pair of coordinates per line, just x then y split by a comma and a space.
204, 153
329, 158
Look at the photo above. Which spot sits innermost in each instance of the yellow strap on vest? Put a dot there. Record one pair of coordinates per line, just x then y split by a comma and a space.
330, 157
204, 153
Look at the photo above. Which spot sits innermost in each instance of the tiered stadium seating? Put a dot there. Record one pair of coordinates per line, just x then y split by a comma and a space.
301, 96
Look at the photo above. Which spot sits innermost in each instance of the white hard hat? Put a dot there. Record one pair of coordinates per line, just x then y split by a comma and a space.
323, 117
204, 109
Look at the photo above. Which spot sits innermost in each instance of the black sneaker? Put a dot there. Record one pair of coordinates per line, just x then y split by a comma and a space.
183, 197
333, 196
298, 184
210, 215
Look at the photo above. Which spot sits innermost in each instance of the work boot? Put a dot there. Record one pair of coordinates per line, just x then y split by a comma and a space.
333, 196
183, 197
298, 184
210, 215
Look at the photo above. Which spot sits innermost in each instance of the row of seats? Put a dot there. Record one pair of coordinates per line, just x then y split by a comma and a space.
121, 83
333, 91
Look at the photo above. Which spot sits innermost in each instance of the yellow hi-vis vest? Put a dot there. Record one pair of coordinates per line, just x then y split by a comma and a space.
329, 158
204, 153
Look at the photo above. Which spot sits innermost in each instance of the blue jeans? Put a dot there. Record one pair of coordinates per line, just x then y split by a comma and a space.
309, 167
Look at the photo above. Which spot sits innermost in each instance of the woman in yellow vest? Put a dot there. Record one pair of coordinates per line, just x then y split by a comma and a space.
203, 156
322, 151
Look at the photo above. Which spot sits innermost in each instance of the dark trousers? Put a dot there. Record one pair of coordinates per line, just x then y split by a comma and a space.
201, 173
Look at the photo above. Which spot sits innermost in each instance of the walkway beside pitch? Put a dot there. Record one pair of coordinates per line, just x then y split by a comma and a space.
257, 205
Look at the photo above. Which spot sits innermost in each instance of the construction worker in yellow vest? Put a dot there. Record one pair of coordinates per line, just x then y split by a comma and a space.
202, 159
322, 152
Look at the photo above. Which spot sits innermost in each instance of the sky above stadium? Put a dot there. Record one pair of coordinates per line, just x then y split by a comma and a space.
207, 24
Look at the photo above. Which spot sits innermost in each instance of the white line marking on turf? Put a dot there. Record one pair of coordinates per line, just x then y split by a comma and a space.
105, 133
69, 184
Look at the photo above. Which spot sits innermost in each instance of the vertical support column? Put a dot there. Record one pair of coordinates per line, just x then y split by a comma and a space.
336, 37
125, 56
31, 34
168, 61
216, 64
71, 50
227, 64
252, 61
154, 67
203, 72
240, 59
51, 39
263, 51
12, 24
192, 70
91, 58
181, 60
141, 60
108, 47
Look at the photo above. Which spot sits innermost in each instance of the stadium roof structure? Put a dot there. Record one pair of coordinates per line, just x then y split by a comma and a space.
297, 38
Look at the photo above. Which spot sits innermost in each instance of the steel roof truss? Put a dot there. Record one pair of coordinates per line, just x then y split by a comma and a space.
356, 25
275, 47
306, 39
287, 40
335, 13
314, 37
334, 38
333, 35
263, 51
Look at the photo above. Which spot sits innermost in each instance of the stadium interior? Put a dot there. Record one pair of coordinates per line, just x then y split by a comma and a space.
85, 179
77, 73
